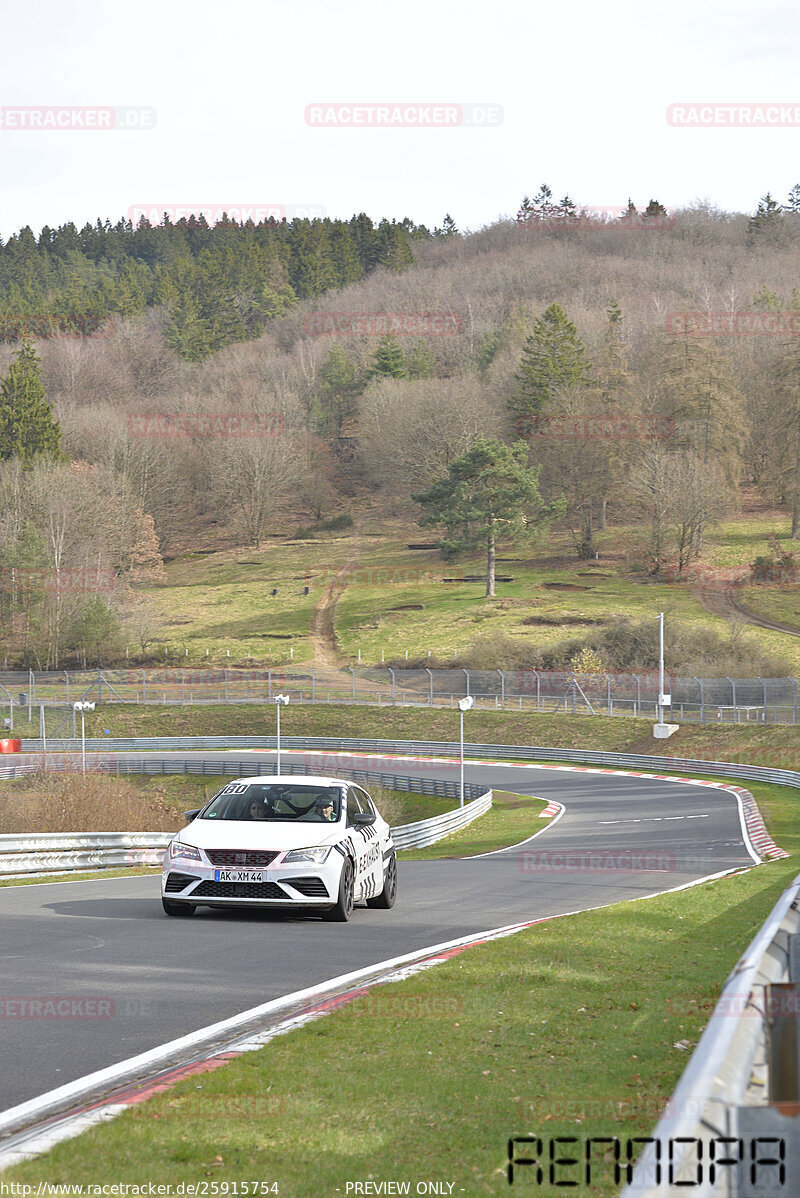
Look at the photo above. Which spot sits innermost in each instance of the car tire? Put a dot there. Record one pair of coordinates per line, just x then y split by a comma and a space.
386, 899
183, 909
344, 904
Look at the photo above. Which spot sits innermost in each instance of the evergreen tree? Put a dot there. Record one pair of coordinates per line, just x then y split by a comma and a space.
449, 227
655, 209
793, 202
389, 359
767, 220
490, 493
338, 395
553, 356
420, 362
28, 429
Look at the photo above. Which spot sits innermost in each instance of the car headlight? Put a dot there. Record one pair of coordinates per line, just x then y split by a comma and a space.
187, 851
317, 855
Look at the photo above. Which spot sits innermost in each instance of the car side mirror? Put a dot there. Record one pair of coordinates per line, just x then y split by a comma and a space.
362, 820
190, 815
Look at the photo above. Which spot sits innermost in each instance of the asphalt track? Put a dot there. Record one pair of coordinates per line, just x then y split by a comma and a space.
162, 978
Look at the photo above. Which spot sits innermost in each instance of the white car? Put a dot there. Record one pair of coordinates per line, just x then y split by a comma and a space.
282, 841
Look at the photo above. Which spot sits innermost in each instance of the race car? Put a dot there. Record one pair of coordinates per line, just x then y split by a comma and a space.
297, 842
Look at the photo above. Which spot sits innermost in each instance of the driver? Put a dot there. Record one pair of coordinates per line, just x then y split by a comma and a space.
257, 809
324, 808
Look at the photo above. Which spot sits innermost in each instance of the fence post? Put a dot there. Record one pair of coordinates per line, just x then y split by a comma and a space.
502, 686
467, 674
269, 685
99, 686
226, 686
66, 679
733, 697
538, 691
352, 671
313, 685
183, 686
794, 708
144, 686
638, 694
74, 725
764, 686
430, 679
699, 682
391, 671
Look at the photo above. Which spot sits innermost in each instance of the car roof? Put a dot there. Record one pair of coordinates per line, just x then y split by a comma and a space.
295, 780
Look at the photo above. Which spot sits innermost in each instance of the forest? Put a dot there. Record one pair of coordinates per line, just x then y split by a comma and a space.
177, 387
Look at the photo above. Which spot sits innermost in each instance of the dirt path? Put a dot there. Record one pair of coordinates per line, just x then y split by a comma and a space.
724, 603
323, 621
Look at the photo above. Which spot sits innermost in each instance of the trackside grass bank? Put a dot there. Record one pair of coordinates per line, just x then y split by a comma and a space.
773, 745
577, 1027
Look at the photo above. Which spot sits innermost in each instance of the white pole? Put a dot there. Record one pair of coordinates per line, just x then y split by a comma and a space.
83, 743
278, 713
660, 667
461, 803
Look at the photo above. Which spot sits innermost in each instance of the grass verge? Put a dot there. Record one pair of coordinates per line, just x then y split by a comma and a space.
512, 818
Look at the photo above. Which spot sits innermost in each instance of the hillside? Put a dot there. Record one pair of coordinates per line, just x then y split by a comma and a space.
674, 455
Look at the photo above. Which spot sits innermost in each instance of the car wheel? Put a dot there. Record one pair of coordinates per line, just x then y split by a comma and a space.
344, 905
176, 908
385, 900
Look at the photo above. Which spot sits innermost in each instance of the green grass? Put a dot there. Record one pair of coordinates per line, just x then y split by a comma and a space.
579, 1026
511, 818
88, 876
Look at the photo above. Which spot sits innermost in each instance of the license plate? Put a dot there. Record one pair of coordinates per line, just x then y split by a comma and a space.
238, 875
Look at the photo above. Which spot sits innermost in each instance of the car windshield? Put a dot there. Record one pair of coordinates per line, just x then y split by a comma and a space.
260, 802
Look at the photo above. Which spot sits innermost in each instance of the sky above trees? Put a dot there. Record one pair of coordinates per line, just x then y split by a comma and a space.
583, 89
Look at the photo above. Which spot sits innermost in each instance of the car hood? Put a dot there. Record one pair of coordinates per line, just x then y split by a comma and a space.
240, 834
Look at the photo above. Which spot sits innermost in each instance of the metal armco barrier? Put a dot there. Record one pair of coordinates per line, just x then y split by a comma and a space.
37, 852
41, 852
721, 1094
423, 748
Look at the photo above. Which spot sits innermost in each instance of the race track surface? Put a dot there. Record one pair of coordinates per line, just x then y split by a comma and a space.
162, 978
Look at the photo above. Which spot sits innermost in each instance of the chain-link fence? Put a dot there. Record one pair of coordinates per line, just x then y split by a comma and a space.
708, 700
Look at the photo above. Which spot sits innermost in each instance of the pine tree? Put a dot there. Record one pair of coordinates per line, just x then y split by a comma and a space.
793, 202
768, 219
655, 209
28, 429
389, 359
338, 396
553, 357
449, 227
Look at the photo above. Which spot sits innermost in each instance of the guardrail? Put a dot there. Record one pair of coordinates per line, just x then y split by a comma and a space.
747, 1053
41, 851
427, 748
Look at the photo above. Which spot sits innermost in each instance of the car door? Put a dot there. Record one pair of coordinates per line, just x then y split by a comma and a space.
364, 840
373, 874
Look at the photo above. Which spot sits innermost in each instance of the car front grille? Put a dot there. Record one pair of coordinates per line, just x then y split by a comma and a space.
251, 890
310, 887
241, 858
176, 882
